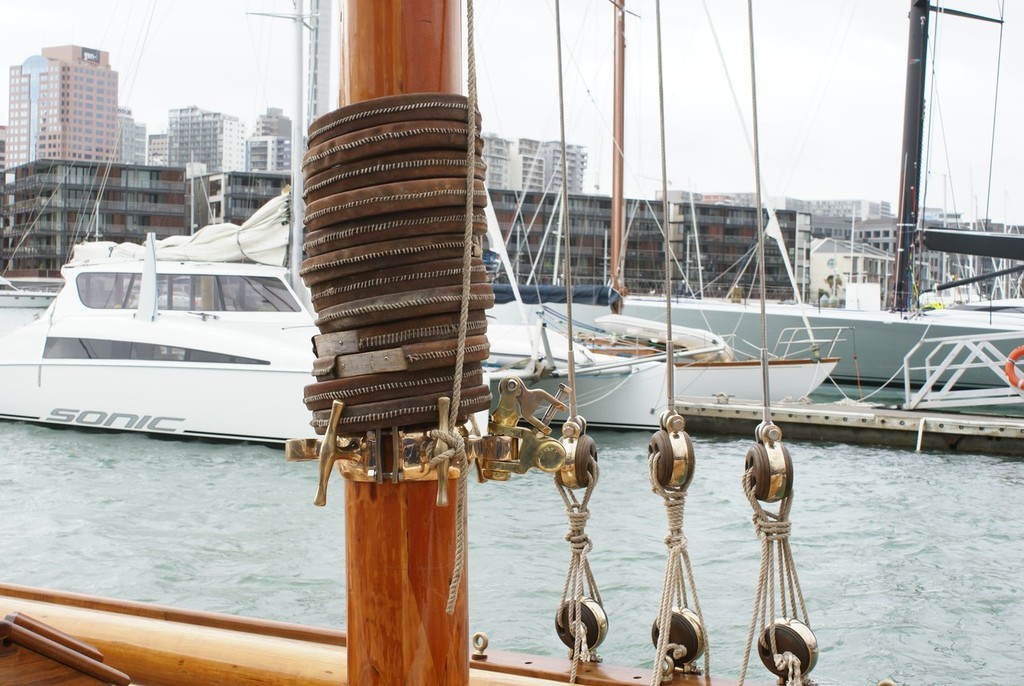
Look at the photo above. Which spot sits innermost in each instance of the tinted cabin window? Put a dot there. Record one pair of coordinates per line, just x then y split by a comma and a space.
188, 292
102, 349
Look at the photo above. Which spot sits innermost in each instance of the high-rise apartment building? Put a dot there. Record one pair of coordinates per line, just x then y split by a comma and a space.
156, 155
268, 153
210, 138
63, 105
273, 123
533, 165
322, 98
133, 138
3, 151
270, 147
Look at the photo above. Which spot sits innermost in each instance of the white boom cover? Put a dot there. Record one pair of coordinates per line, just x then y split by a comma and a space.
263, 238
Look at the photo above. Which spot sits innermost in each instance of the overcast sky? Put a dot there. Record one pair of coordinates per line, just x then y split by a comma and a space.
830, 77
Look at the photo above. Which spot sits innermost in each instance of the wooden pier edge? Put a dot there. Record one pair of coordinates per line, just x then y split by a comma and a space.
863, 425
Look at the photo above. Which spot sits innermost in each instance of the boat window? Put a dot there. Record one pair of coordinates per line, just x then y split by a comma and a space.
189, 292
61, 348
109, 291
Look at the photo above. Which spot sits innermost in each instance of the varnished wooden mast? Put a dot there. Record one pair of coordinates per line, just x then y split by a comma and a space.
399, 543
618, 117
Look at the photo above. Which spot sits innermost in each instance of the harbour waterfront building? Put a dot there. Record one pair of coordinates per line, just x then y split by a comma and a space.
858, 209
232, 197
132, 138
211, 138
726, 241
63, 105
50, 205
840, 270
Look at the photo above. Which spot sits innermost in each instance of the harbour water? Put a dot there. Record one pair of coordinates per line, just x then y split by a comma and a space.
910, 563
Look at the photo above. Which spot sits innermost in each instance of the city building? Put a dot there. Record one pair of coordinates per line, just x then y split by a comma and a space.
268, 153
211, 138
860, 210
322, 98
721, 257
63, 105
270, 147
273, 123
232, 197
157, 155
3, 151
51, 205
133, 138
532, 165
841, 270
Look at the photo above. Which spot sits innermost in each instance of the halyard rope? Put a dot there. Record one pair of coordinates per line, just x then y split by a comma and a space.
579, 580
674, 588
460, 452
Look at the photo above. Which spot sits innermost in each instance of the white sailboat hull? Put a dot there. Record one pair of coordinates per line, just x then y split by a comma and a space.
631, 393
871, 352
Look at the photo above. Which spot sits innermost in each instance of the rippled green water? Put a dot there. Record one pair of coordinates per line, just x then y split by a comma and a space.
911, 563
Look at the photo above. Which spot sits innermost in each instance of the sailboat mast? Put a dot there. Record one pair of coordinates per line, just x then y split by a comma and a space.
399, 545
618, 119
910, 158
298, 138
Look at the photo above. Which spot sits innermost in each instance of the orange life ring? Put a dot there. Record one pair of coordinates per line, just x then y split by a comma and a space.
1011, 368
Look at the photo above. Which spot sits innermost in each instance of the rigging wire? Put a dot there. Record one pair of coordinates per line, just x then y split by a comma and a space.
571, 356
767, 415
995, 108
670, 381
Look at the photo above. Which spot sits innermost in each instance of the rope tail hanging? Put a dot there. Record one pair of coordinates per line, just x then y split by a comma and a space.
580, 622
678, 633
786, 646
450, 445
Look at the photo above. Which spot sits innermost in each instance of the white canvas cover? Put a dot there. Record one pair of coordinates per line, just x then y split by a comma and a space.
263, 238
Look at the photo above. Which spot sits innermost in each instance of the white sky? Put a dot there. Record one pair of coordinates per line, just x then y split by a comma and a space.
830, 77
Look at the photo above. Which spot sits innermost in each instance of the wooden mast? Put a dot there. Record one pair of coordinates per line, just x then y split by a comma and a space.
400, 545
618, 214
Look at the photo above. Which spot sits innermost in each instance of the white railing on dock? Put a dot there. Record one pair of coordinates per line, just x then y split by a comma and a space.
946, 361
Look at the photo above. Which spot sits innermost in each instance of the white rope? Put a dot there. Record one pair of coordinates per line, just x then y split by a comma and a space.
579, 580
452, 438
773, 530
674, 588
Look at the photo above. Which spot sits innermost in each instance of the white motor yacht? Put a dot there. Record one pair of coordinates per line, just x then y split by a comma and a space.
182, 347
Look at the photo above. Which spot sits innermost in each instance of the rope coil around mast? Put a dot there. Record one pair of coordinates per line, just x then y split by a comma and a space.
394, 211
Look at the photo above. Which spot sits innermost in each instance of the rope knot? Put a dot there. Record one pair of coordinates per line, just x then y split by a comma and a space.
791, 664
457, 450
771, 529
675, 540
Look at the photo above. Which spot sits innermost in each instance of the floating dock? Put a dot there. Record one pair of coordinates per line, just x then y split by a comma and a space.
860, 424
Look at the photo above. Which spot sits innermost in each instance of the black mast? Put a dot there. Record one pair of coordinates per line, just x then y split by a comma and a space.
910, 159
913, 135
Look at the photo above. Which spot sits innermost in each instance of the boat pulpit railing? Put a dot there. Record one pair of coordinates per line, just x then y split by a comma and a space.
508, 448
